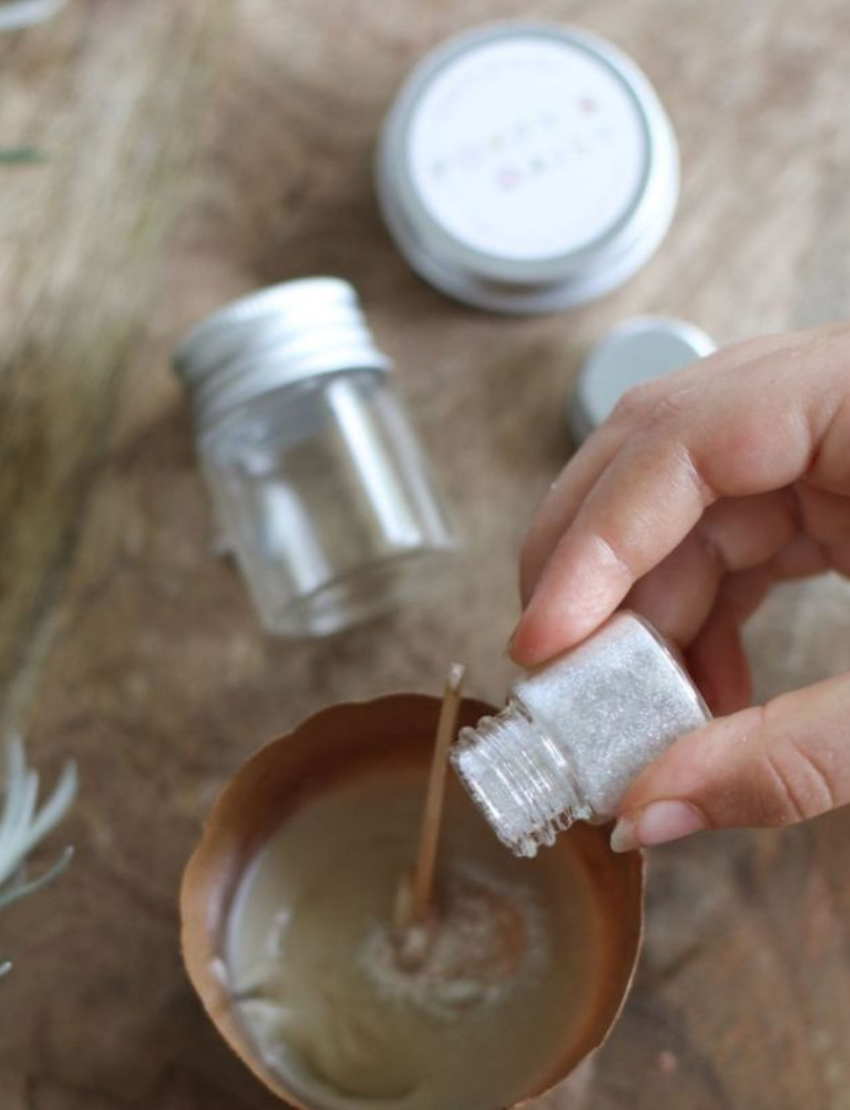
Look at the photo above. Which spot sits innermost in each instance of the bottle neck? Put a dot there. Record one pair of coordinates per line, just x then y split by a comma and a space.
520, 779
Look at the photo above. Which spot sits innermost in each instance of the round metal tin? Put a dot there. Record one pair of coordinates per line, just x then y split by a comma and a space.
527, 167
636, 351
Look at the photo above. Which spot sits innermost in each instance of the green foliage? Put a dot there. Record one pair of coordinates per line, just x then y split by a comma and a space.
23, 824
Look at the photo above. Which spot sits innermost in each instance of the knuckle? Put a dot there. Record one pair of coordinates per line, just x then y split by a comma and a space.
670, 407
782, 799
649, 406
697, 475
634, 404
795, 786
614, 557
812, 782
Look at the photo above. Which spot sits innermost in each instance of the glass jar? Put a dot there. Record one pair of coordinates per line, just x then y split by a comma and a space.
320, 487
576, 732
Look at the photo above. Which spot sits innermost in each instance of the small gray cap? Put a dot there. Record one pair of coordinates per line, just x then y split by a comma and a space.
272, 338
636, 351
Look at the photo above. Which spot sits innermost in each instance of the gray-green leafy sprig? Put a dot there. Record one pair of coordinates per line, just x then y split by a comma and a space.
23, 824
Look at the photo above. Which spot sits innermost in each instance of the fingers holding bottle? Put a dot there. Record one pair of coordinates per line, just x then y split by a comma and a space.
765, 766
740, 425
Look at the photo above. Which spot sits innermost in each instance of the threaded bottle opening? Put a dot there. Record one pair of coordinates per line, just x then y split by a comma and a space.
519, 779
272, 338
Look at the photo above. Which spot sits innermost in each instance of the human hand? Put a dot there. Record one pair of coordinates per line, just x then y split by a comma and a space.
702, 490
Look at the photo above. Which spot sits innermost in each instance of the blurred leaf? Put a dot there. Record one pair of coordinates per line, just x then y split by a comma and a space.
20, 155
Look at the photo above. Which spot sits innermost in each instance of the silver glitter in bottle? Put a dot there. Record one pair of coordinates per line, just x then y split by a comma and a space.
576, 732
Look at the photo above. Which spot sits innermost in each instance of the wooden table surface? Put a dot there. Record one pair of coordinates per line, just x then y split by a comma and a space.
193, 151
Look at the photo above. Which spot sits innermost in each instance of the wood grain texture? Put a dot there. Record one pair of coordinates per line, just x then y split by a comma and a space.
194, 151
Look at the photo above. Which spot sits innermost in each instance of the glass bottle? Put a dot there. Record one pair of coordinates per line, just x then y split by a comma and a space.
576, 732
321, 489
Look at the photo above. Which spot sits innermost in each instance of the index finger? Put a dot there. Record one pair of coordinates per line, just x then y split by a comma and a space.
581, 473
737, 434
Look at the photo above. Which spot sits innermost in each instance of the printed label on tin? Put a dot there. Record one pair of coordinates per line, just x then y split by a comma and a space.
527, 148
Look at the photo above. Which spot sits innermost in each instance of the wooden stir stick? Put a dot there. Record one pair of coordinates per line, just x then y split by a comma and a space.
415, 909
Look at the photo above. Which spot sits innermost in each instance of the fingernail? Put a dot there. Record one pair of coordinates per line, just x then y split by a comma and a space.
657, 823
623, 838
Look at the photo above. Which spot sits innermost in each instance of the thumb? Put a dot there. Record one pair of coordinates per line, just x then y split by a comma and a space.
770, 765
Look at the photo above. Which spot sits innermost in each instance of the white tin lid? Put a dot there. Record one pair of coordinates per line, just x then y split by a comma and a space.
527, 167
634, 352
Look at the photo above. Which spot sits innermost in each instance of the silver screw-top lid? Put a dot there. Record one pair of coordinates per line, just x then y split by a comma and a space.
634, 352
272, 338
527, 167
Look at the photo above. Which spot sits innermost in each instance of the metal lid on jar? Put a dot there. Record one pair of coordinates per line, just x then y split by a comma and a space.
275, 337
634, 352
527, 167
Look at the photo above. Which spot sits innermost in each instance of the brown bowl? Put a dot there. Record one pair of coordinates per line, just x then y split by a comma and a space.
334, 743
